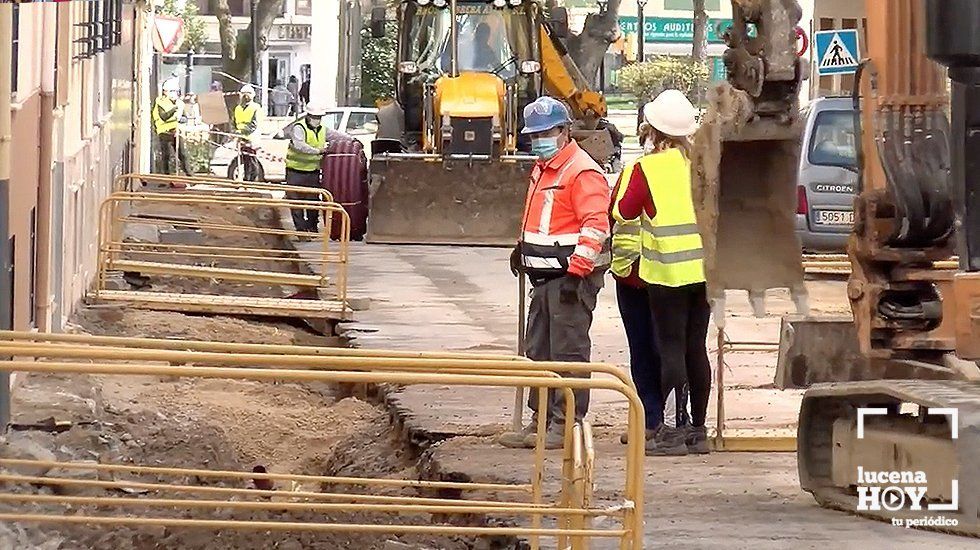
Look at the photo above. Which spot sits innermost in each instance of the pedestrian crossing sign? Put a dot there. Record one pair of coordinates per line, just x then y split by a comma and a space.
836, 51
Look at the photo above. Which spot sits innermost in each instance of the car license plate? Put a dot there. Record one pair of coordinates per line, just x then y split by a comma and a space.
834, 217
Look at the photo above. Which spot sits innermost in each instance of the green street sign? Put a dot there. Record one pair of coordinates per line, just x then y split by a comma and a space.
673, 29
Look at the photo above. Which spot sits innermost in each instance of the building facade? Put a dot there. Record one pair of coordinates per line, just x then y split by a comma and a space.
669, 31
329, 28
71, 129
836, 14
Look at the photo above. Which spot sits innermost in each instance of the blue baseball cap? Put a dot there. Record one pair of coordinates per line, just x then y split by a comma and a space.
543, 114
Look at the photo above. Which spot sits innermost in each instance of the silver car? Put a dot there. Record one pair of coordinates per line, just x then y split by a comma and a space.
828, 176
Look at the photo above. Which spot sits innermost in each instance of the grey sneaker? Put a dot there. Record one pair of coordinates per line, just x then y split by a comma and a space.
554, 438
667, 441
697, 440
624, 438
515, 440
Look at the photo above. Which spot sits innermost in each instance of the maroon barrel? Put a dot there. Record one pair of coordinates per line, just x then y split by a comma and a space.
345, 175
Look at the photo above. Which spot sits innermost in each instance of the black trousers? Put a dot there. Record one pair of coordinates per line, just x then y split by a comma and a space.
169, 150
682, 316
304, 219
645, 364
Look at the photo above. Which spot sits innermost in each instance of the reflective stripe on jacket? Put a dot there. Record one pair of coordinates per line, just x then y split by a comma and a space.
626, 242
246, 118
565, 227
165, 106
672, 251
306, 162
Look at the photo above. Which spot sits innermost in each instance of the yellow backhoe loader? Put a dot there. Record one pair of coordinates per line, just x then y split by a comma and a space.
450, 165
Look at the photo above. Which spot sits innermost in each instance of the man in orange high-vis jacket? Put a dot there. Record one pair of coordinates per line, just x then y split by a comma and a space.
564, 250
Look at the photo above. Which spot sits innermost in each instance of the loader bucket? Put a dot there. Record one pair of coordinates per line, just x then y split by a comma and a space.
424, 200
745, 176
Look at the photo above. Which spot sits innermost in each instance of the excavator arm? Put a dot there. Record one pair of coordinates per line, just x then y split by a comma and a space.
918, 327
563, 80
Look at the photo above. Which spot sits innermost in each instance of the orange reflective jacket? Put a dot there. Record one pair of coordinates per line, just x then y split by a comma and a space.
566, 216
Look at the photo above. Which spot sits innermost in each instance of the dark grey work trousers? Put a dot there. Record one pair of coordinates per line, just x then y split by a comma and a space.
558, 326
304, 219
171, 152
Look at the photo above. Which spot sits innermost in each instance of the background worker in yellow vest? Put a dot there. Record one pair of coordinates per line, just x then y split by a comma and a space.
307, 145
246, 119
671, 263
168, 112
634, 306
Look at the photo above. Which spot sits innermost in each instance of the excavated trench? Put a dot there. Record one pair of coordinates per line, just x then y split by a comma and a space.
306, 428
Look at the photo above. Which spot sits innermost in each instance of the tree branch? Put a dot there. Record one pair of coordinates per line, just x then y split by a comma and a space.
226, 32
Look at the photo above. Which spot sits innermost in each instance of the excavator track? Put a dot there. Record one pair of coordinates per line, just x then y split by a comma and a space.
828, 449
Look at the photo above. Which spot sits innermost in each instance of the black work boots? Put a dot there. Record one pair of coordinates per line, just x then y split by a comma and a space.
668, 441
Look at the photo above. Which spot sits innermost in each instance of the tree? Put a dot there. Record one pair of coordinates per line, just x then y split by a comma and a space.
237, 51
646, 80
195, 33
700, 51
588, 47
378, 64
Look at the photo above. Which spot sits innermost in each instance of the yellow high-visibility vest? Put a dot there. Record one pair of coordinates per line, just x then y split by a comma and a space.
244, 115
626, 242
304, 162
164, 125
672, 254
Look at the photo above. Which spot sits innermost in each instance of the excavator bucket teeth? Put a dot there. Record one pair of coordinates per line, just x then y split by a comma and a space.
423, 201
745, 190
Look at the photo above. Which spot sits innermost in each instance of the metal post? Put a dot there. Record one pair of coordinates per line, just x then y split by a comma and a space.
720, 383
641, 34
454, 39
518, 421
190, 64
6, 254
255, 44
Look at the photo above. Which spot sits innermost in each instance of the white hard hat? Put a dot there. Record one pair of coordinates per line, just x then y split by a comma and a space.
247, 90
316, 110
171, 85
672, 113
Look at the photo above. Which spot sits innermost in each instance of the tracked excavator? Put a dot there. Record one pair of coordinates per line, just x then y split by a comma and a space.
450, 165
906, 398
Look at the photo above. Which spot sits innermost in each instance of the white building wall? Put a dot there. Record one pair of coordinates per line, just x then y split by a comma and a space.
93, 125
838, 14
323, 83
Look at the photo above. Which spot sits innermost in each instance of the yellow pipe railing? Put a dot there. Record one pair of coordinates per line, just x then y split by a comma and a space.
435, 368
329, 261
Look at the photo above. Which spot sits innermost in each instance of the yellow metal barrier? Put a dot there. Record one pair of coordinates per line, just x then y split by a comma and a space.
839, 264
135, 183
326, 295
743, 440
570, 504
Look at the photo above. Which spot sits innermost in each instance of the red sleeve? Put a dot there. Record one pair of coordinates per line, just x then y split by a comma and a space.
637, 198
591, 204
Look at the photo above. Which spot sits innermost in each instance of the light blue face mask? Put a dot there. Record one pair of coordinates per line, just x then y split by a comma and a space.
546, 147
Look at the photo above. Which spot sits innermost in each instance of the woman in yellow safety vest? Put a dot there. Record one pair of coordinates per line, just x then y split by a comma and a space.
670, 262
634, 306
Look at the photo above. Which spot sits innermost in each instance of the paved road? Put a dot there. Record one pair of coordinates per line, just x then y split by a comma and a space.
463, 298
